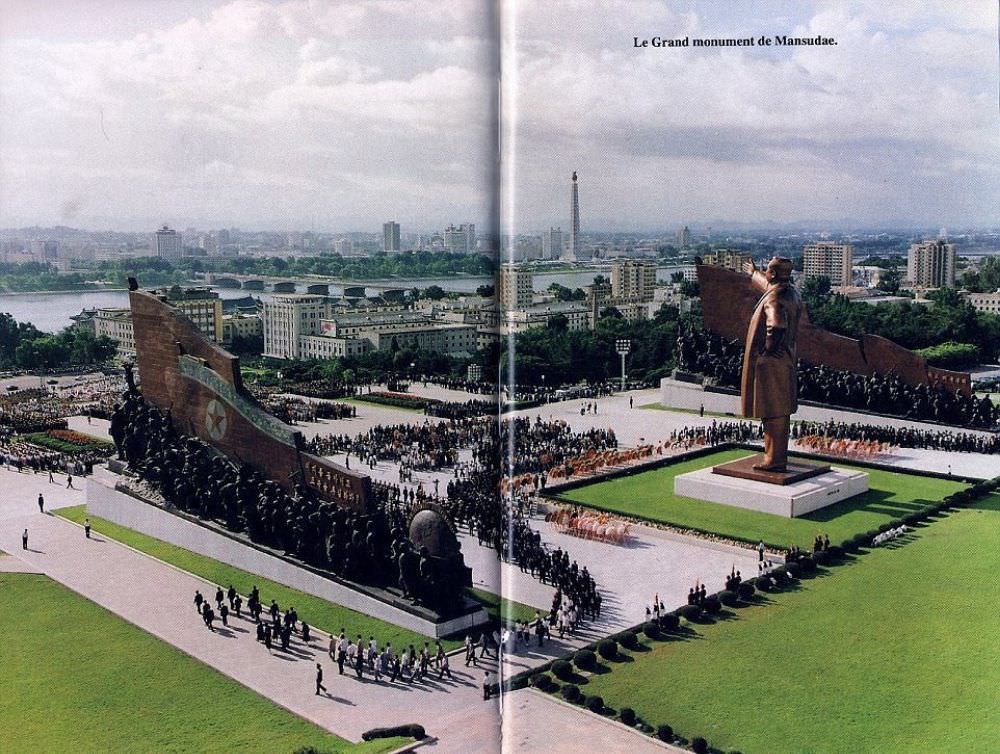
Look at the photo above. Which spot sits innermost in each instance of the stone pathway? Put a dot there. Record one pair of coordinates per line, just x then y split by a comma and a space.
158, 599
536, 722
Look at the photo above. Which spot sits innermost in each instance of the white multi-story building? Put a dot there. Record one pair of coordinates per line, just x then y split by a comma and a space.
552, 243
731, 260
344, 246
828, 259
167, 243
984, 302
516, 290
287, 318
241, 325
390, 237
117, 325
324, 347
577, 316
460, 240
201, 305
931, 264
633, 280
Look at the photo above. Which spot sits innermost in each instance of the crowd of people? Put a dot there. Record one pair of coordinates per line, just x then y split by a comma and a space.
901, 437
424, 447
536, 445
860, 450
275, 629
461, 409
37, 409
715, 434
293, 410
721, 360
24, 457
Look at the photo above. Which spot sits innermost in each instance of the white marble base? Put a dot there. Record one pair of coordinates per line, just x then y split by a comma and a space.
788, 500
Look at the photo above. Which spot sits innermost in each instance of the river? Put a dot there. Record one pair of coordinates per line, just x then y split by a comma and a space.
51, 312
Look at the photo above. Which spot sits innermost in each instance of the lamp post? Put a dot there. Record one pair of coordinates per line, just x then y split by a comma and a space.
623, 346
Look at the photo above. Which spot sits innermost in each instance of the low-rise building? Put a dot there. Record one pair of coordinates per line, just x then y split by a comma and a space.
984, 302
117, 325
240, 325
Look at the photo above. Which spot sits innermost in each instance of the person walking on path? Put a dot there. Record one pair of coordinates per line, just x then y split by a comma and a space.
69, 482
41, 503
319, 680
24, 540
86, 527
198, 599
760, 551
52, 479
487, 685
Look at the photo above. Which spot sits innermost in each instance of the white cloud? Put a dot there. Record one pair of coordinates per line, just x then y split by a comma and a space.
253, 113
897, 122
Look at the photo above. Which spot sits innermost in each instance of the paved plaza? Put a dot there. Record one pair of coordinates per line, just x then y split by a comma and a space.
157, 597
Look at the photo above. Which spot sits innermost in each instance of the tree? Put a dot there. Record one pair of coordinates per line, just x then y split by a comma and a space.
690, 288
612, 312
486, 291
816, 290
434, 292
890, 281
558, 323
677, 277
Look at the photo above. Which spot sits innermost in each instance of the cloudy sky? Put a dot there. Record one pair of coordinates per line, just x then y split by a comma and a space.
285, 115
341, 115
897, 123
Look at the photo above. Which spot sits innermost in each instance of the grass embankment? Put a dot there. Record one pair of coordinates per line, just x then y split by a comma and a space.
887, 654
318, 612
75, 677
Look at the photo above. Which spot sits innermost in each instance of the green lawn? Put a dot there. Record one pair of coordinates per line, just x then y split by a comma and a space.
317, 612
77, 678
649, 494
892, 653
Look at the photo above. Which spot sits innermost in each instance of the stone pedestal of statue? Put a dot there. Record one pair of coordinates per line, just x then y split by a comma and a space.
795, 471
814, 488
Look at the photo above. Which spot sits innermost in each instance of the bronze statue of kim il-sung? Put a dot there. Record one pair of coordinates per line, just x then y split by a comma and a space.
770, 386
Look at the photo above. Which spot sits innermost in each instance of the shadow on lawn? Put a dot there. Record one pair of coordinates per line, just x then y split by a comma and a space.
873, 501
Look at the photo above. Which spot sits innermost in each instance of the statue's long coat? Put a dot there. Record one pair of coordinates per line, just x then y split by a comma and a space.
770, 385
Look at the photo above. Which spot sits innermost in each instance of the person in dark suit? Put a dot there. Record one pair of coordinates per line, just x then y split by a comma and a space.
41, 503
24, 540
319, 679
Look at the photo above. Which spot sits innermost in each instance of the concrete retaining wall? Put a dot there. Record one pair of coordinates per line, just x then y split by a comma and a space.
104, 501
